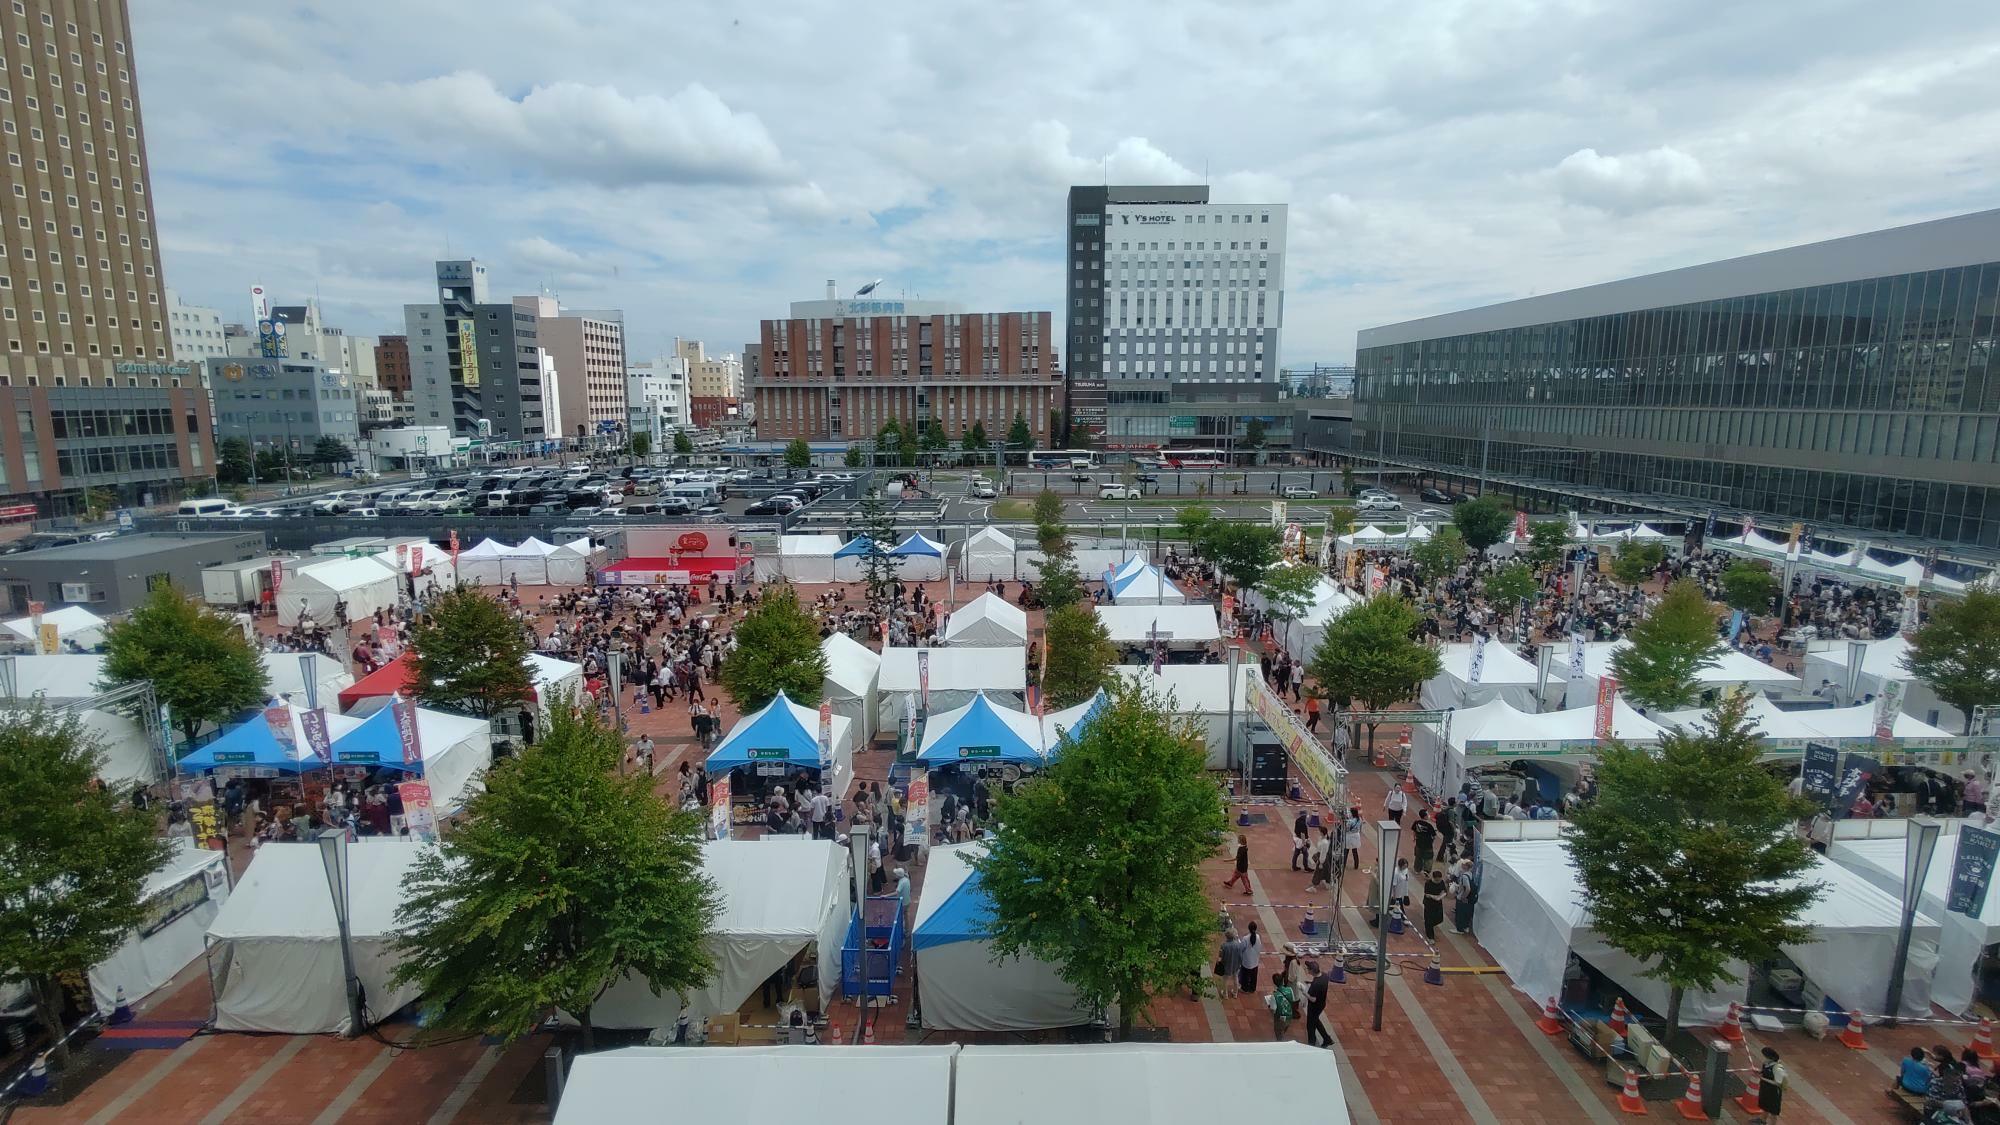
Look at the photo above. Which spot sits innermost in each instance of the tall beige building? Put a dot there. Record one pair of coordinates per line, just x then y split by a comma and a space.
91, 396
710, 376
588, 347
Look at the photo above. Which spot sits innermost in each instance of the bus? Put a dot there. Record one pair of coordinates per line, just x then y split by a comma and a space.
1063, 459
1193, 458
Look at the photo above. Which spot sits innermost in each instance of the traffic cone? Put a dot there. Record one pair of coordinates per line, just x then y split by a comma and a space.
812, 1034
1732, 1024
1434, 972
1339, 971
1619, 1016
832, 1033
1309, 926
1690, 1103
37, 1079
1551, 1021
121, 1009
1982, 1041
868, 1034
1395, 919
1628, 1098
1747, 1100
1852, 1035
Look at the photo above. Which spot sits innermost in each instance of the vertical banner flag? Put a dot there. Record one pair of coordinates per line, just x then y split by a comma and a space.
1911, 600
454, 548
1520, 527
1575, 656
1735, 624
1972, 870
1888, 708
405, 715
1477, 664
1749, 525
314, 724
924, 678
279, 719
1708, 526
909, 723
1854, 775
1229, 615
416, 557
825, 734
917, 811
1607, 694
402, 555
1153, 635
1375, 579
1930, 563
277, 575
718, 808
1820, 772
1792, 541
50, 636
1277, 515
418, 815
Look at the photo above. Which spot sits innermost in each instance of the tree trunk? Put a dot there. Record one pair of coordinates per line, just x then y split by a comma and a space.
48, 1003
1127, 1012
1673, 1009
589, 1034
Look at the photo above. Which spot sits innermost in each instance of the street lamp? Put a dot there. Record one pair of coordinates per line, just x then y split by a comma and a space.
1387, 835
333, 855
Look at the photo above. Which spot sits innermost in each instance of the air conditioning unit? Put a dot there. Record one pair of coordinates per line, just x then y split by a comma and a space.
76, 591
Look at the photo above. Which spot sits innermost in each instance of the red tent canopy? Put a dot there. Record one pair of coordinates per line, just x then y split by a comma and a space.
389, 679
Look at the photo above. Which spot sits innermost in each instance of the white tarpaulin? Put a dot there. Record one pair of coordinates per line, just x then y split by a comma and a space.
779, 895
1158, 1084
189, 889
527, 564
437, 573
807, 558
570, 563
1201, 692
852, 672
318, 590
1788, 732
988, 553
287, 673
1882, 662
1502, 675
1731, 669
1179, 626
956, 675
74, 624
1301, 636
1530, 917
754, 1085
1495, 732
965, 988
274, 956
987, 621
918, 558
1880, 861
480, 565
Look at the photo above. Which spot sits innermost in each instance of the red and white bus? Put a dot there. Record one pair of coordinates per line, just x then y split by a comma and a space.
1193, 459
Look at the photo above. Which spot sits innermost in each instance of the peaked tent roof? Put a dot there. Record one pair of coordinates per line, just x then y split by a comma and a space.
1146, 582
991, 536
343, 574
978, 615
532, 546
916, 544
954, 906
857, 547
850, 663
781, 726
981, 731
1502, 665
376, 743
250, 743
486, 549
69, 620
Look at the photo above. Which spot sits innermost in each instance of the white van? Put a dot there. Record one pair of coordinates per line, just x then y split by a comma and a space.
696, 492
211, 506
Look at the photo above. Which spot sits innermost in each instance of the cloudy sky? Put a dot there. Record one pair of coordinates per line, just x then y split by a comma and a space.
701, 165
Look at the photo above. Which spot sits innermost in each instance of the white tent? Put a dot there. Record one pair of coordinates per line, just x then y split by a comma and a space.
437, 573
918, 558
456, 749
1882, 662
1531, 916
1201, 692
74, 625
274, 956
63, 676
570, 563
1731, 669
988, 553
754, 1085
188, 890
317, 590
1502, 675
1879, 859
1155, 1083
987, 621
1301, 636
956, 675
1496, 732
792, 727
286, 673
852, 673
480, 565
554, 678
526, 564
807, 558
1091, 563
965, 988
1179, 626
1787, 732
130, 757
779, 896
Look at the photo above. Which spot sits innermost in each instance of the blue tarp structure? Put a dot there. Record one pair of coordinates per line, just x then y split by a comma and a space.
916, 544
981, 732
858, 547
966, 987
1145, 584
375, 743
786, 733
966, 914
249, 742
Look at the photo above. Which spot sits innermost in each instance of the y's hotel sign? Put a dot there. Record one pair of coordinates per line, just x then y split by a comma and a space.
152, 368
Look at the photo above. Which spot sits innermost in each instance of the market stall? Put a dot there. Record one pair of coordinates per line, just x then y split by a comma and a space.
248, 746
1503, 674
753, 1085
965, 987
570, 564
1968, 966
1495, 733
1145, 584
274, 949
453, 749
1881, 662
551, 678
77, 630
1185, 630
775, 744
181, 898
807, 558
320, 592
1201, 692
988, 554
526, 564
1731, 669
950, 676
987, 621
1302, 635
853, 671
424, 568
850, 562
1785, 733
918, 559
479, 565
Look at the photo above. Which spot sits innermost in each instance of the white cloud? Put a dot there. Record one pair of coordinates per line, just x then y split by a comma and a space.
1625, 185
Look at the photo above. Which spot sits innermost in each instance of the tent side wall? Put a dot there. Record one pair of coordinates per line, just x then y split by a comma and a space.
296, 986
966, 990
1518, 929
143, 964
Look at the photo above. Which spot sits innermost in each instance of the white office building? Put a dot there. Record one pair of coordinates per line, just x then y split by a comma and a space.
196, 330
656, 399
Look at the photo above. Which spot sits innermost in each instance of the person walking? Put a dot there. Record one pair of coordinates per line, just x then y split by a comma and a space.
1435, 890
1771, 1079
1322, 861
1399, 885
1253, 951
1242, 872
1229, 962
1424, 834
1397, 803
1316, 1033
1299, 841
1464, 896
1283, 1002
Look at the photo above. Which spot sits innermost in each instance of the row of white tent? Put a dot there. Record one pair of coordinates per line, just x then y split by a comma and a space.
1855, 563
829, 558
529, 563
363, 584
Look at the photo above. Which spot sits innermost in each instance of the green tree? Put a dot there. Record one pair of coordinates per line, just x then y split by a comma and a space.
1548, 540
1687, 855
1243, 550
1194, 522
906, 447
1660, 665
1347, 479
1440, 555
798, 454
1048, 510
98, 503
1058, 430
889, 436
202, 669
232, 461
615, 888
330, 450
1254, 434
469, 655
1341, 520
642, 444
683, 444
975, 438
777, 649
1059, 583
878, 570
1370, 655
1020, 438
853, 459
935, 440
1957, 651
1636, 561
1080, 655
1095, 866
1511, 586
73, 862
1288, 589
1748, 586
1483, 522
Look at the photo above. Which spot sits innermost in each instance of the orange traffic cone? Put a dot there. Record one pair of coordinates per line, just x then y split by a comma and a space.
1619, 1016
1732, 1024
1851, 1035
868, 1035
1551, 1021
832, 1034
1982, 1041
1747, 1100
1629, 1099
1690, 1103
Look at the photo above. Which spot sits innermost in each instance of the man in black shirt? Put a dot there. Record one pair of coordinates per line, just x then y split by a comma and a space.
1316, 1034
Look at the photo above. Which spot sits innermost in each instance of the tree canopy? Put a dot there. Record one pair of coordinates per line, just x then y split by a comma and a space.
1749, 586
1668, 648
853, 458
777, 649
1059, 583
1483, 522
330, 450
73, 862
798, 453
468, 654
1019, 437
1095, 866
1511, 585
1636, 561
878, 570
1288, 589
1957, 651
1370, 655
683, 444
564, 878
1079, 655
641, 444
1241, 549
1687, 854
201, 666
1440, 555
1547, 540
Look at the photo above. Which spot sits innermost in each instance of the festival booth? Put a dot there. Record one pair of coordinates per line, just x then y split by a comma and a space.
1181, 630
1731, 669
1495, 733
453, 749
987, 621
274, 949
1144, 584
988, 554
569, 563
1089, 561
371, 693
807, 558
754, 1085
1880, 663
1785, 733
679, 556
74, 625
965, 987
769, 747
1531, 918
1302, 635
1201, 692
479, 565
850, 562
1155, 1083
781, 896
918, 559
1502, 675
316, 591
181, 898
286, 674
985, 733
249, 746
955, 676
428, 569
853, 671
1964, 961
129, 756
1373, 538
527, 564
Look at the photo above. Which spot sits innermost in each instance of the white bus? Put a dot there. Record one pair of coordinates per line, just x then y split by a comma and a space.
1193, 458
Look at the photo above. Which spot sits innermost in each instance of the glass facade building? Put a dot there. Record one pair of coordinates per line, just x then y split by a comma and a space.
1851, 385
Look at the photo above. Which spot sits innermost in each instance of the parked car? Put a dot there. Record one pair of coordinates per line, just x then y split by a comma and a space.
1148, 478
363, 513
1082, 478
1300, 492
1440, 496
781, 504
1378, 504
1117, 492
1377, 493
983, 489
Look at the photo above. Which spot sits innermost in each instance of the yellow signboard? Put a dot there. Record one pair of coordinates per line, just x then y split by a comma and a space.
468, 351
51, 638
1307, 754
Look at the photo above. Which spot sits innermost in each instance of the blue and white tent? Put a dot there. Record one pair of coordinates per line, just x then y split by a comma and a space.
919, 559
964, 988
1144, 585
454, 748
786, 734
249, 742
986, 732
851, 560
